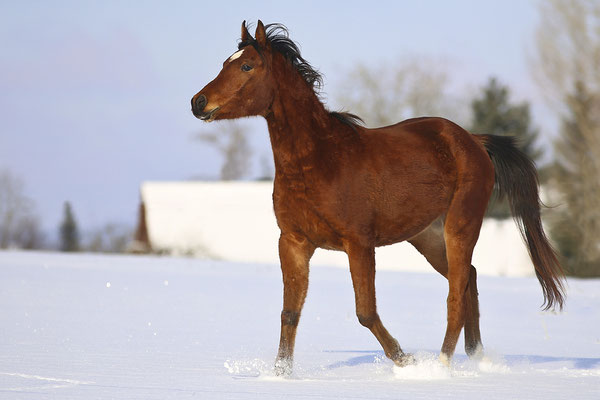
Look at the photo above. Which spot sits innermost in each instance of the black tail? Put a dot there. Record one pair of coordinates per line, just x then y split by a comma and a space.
516, 178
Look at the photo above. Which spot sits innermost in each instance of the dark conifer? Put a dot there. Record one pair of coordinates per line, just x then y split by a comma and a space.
69, 233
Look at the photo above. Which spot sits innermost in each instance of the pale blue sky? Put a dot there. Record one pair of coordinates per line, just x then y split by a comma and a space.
94, 95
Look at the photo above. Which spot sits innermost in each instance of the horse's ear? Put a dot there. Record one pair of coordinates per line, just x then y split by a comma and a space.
261, 34
245, 34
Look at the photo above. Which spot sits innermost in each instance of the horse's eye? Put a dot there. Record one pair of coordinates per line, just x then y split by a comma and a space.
246, 67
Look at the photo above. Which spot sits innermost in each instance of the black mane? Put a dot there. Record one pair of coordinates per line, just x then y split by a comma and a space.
352, 120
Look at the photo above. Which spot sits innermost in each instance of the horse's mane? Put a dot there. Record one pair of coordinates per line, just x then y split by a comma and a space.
347, 118
279, 39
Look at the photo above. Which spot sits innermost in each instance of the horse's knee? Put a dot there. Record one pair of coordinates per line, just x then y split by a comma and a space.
290, 318
455, 301
367, 320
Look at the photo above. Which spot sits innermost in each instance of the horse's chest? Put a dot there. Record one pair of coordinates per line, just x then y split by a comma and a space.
296, 212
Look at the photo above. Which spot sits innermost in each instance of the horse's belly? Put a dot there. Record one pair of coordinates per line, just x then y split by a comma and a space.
410, 213
399, 231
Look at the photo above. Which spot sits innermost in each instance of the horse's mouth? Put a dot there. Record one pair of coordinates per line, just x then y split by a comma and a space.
208, 116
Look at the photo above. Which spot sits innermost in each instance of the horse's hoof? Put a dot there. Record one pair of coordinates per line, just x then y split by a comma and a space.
405, 359
475, 352
283, 367
444, 359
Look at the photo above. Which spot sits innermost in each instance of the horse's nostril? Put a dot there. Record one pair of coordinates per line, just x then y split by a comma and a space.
200, 102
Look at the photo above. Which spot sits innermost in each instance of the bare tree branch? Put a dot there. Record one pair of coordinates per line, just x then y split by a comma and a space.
19, 226
390, 93
230, 139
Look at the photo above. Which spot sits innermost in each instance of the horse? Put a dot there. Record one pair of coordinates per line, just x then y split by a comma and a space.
341, 186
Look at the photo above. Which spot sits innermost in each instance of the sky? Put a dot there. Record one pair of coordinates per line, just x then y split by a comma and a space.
95, 95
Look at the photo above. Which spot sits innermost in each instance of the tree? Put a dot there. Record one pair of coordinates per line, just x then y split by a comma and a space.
69, 233
494, 114
28, 235
577, 177
19, 224
231, 141
111, 238
390, 93
568, 67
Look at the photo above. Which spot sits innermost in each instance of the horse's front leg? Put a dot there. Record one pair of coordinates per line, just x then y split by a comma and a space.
295, 252
362, 269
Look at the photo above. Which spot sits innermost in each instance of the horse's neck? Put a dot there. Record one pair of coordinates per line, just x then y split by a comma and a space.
298, 125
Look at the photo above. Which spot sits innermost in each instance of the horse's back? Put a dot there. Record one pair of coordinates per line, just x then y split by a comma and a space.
416, 167
415, 145
434, 137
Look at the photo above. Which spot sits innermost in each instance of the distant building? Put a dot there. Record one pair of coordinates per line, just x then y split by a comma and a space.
221, 220
234, 221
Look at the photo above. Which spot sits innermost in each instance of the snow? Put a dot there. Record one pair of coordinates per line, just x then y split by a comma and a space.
124, 327
234, 221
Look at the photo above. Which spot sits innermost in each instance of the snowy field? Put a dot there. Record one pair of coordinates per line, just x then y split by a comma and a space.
116, 327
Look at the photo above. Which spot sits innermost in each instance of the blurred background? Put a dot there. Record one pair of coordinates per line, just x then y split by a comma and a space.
95, 100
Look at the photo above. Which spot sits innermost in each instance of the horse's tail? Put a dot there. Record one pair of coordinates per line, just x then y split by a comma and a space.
516, 178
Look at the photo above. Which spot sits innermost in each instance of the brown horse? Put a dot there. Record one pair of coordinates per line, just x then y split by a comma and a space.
341, 186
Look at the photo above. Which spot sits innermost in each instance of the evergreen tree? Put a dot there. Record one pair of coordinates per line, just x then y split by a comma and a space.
493, 114
69, 234
576, 229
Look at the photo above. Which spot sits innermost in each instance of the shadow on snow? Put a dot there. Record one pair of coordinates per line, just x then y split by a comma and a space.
376, 356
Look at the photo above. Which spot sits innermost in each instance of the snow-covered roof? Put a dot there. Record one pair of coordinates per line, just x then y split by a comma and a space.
235, 221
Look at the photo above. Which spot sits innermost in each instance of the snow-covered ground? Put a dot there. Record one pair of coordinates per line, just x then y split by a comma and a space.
115, 327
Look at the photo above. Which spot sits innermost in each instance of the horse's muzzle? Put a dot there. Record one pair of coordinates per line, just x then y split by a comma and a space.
198, 104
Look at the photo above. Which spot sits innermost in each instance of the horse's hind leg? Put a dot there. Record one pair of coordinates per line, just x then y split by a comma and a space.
473, 345
362, 269
430, 243
294, 253
461, 231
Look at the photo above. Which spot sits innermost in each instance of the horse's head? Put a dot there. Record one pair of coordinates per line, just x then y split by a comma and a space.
243, 87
